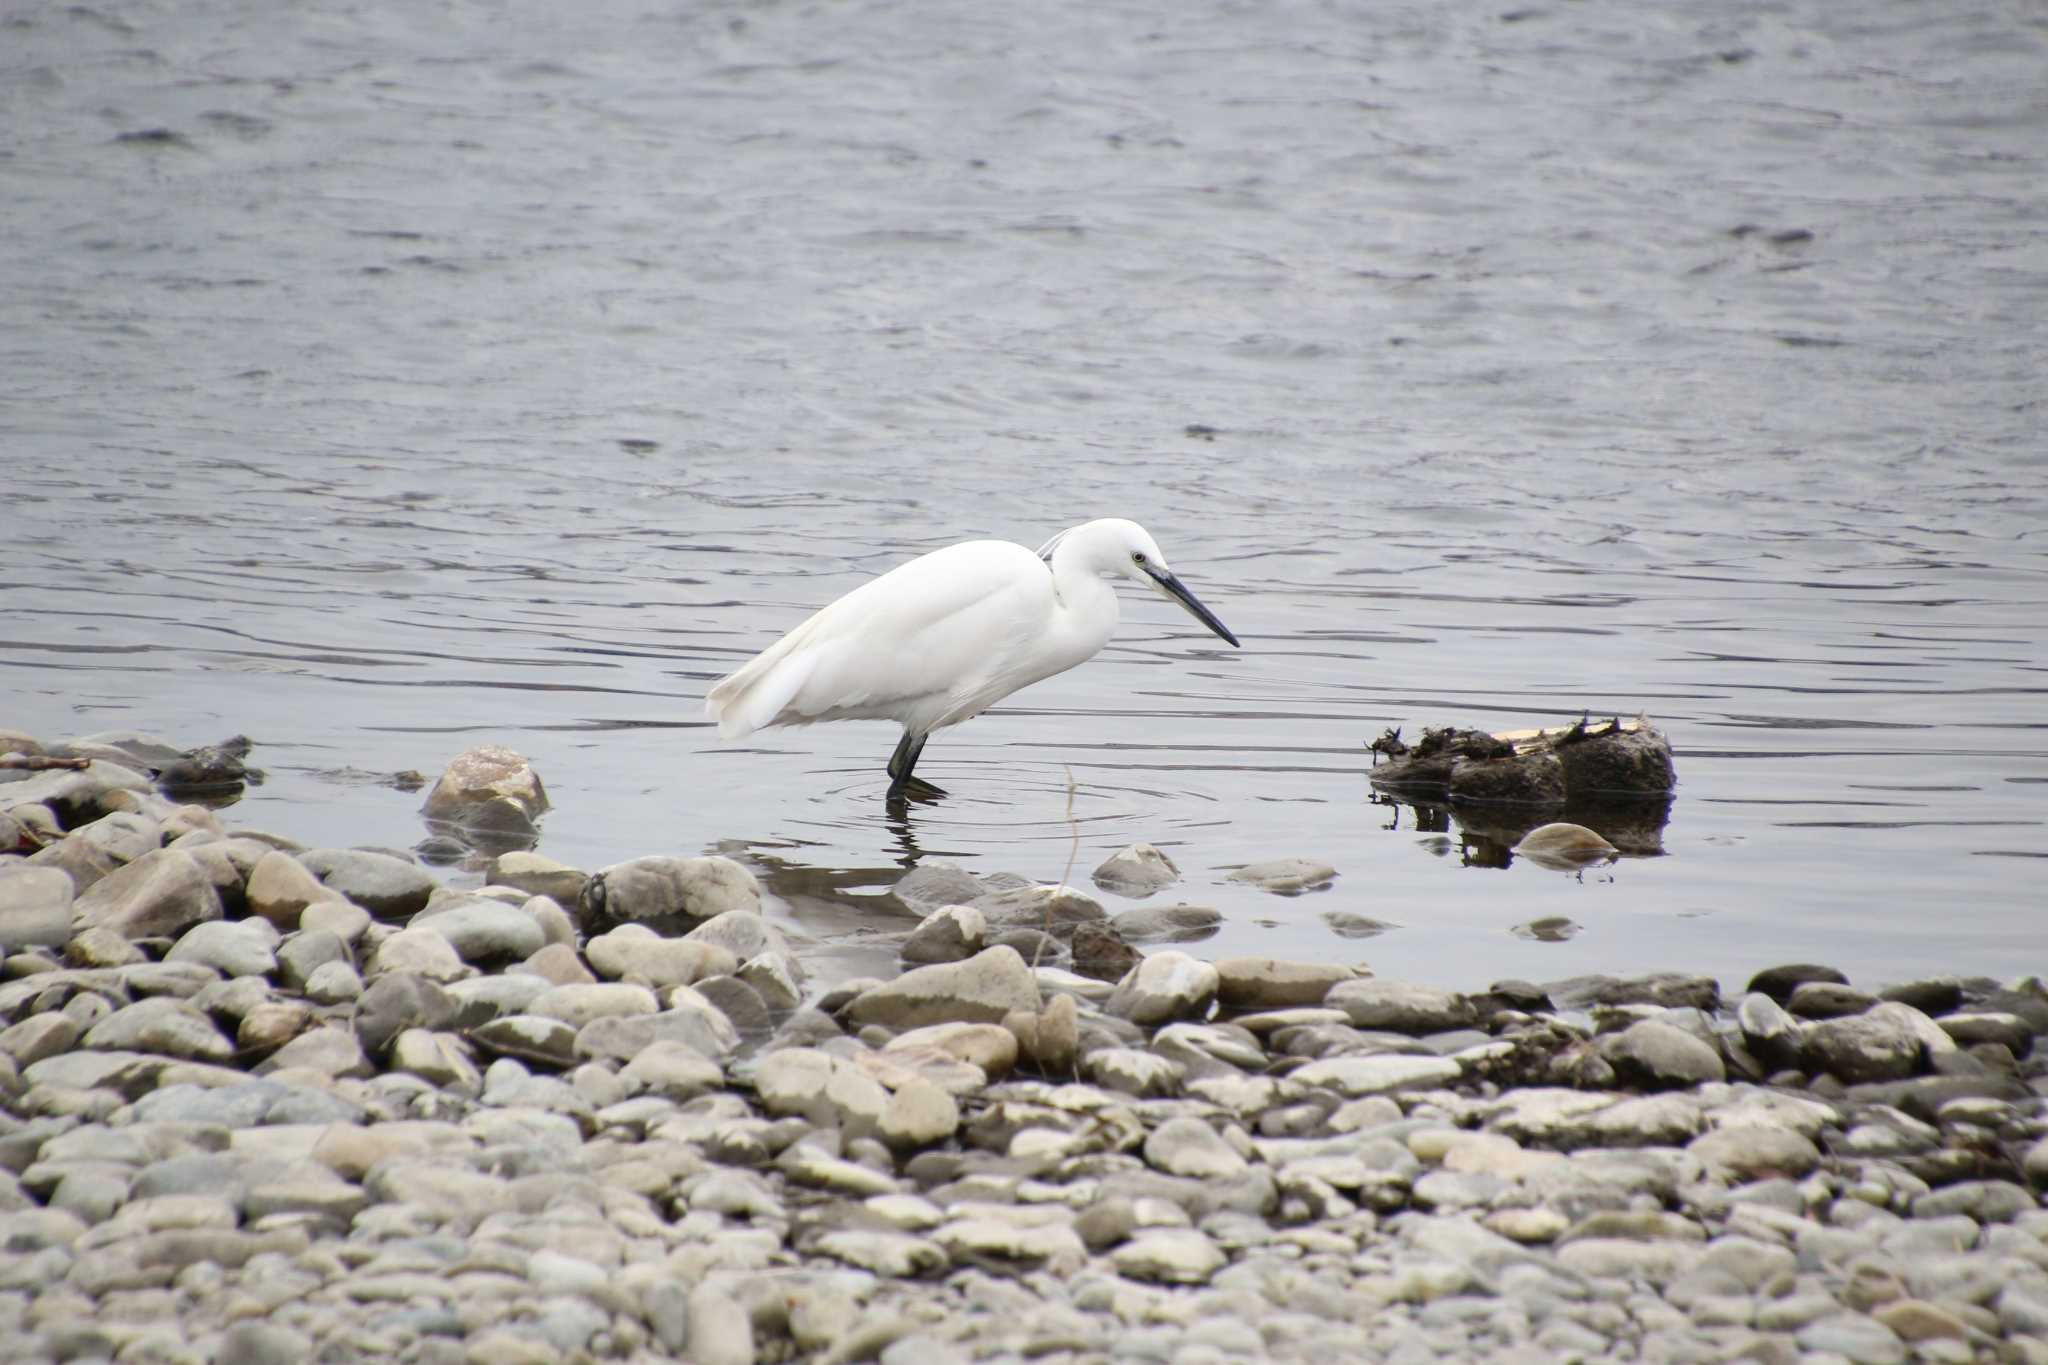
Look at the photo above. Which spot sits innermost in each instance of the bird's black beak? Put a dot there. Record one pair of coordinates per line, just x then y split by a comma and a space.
1178, 591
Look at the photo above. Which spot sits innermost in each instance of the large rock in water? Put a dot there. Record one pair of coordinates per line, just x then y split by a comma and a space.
662, 887
488, 790
159, 895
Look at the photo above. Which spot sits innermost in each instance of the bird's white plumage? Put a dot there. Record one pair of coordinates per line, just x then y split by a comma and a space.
940, 639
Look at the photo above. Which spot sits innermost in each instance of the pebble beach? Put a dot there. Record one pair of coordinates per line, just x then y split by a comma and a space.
265, 1103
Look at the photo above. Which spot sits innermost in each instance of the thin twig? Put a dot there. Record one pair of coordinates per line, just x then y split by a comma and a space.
1073, 855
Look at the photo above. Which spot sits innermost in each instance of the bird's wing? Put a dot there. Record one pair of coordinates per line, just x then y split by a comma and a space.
922, 632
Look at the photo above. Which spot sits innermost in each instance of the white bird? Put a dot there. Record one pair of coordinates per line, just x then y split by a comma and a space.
943, 638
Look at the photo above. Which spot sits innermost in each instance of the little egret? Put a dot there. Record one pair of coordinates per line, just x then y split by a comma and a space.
943, 638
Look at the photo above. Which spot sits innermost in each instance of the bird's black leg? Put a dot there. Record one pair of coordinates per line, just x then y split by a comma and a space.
902, 762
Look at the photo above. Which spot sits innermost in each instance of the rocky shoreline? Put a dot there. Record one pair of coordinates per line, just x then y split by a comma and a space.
261, 1103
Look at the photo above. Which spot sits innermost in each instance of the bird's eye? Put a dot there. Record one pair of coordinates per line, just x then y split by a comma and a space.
1138, 557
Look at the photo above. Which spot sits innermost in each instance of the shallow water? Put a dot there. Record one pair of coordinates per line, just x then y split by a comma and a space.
382, 381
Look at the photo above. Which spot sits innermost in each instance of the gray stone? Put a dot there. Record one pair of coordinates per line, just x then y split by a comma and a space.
1882, 1044
1190, 1147
720, 1332
398, 1001
35, 906
417, 952
1755, 1152
488, 789
934, 884
1167, 923
1163, 987
440, 1059
738, 1002
690, 1019
482, 930
1169, 1255
578, 1005
982, 989
664, 887
1655, 1054
672, 1070
949, 934
538, 875
163, 1025
743, 933
388, 886
230, 947
1827, 1000
1287, 876
634, 950
1138, 870
159, 895
532, 1038
330, 1051
1768, 1031
1399, 1007
305, 952
1132, 1071
1382, 1074
1268, 983
280, 888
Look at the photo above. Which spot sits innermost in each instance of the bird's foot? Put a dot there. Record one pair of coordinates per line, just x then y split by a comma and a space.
914, 789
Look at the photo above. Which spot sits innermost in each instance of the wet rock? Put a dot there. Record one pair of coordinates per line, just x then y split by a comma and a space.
1929, 995
1768, 1031
1163, 987
1827, 1000
934, 884
388, 886
1138, 870
1167, 923
1779, 982
775, 978
949, 934
2010, 1031
1287, 876
1657, 1055
1564, 847
983, 989
35, 907
656, 888
1664, 990
1267, 983
1398, 1007
159, 895
481, 930
1054, 910
1099, 951
490, 790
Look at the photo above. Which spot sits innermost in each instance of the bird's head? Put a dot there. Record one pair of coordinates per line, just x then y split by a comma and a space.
1116, 548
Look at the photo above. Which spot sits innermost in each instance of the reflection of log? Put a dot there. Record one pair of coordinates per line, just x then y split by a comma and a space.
1614, 777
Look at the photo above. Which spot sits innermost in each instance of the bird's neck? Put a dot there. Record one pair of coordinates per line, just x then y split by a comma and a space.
1088, 603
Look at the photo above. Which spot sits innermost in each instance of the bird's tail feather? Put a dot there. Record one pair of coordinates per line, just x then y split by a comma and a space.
752, 698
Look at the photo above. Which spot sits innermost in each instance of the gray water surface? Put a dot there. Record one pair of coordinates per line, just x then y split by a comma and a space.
380, 379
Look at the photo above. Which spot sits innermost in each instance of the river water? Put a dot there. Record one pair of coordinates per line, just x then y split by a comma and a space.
384, 378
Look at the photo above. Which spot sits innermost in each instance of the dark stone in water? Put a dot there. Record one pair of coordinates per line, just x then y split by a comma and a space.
1779, 982
209, 768
1100, 952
